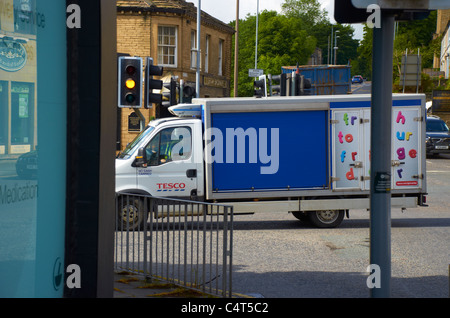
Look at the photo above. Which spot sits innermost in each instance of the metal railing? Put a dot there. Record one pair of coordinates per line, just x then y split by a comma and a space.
184, 242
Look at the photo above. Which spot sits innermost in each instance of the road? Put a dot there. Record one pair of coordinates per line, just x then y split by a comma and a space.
8, 168
276, 256
363, 88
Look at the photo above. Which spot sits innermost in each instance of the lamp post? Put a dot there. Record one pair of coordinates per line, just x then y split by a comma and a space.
197, 73
236, 51
335, 46
256, 41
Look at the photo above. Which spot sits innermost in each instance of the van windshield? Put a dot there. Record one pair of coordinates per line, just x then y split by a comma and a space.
132, 146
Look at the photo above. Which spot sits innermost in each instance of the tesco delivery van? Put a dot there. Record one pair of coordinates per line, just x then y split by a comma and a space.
308, 155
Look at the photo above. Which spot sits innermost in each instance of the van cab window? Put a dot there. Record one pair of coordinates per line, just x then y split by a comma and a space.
170, 144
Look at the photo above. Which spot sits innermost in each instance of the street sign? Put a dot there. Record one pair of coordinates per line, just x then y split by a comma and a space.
255, 72
404, 4
441, 101
411, 70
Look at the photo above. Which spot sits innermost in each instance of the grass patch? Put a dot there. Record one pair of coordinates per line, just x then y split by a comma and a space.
181, 293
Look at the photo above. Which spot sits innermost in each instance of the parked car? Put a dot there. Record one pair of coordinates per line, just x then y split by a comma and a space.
26, 165
357, 79
438, 136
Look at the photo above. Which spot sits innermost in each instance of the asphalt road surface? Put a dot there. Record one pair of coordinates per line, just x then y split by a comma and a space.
276, 256
363, 88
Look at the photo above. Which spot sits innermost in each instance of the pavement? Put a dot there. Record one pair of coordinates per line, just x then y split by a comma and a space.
130, 285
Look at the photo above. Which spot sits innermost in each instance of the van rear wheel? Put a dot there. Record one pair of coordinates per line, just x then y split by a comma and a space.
131, 214
326, 218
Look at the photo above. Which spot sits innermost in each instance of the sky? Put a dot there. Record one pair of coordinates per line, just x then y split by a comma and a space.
225, 10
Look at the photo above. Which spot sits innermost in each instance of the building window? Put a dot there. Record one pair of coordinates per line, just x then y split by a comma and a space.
207, 54
22, 114
220, 71
194, 50
167, 46
3, 116
26, 17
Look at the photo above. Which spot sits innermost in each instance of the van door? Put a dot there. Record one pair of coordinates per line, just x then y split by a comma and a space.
406, 139
171, 169
349, 153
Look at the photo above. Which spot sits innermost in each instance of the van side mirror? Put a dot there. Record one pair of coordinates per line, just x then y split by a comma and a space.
141, 158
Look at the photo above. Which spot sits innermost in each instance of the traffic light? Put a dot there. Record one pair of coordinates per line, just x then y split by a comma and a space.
170, 93
260, 87
151, 84
130, 82
301, 83
188, 93
280, 88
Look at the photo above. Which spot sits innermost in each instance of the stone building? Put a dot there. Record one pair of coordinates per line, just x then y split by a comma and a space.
443, 19
445, 51
166, 30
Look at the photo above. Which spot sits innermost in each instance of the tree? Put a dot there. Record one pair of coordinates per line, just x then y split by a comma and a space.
363, 64
288, 39
410, 35
417, 36
316, 23
309, 11
281, 42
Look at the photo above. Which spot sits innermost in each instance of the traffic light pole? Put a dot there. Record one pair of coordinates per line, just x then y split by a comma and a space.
197, 73
141, 118
380, 192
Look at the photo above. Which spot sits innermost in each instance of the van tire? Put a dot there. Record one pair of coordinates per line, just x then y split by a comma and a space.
131, 214
327, 218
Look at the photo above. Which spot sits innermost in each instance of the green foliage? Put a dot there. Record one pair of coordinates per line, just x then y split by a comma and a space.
281, 42
363, 64
309, 11
414, 36
288, 39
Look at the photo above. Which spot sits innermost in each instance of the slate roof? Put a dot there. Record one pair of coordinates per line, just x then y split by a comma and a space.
180, 7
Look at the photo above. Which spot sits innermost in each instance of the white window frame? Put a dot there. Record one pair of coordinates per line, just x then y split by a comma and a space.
220, 70
208, 37
161, 57
193, 49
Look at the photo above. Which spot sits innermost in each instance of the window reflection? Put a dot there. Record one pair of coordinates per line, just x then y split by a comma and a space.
18, 76
18, 147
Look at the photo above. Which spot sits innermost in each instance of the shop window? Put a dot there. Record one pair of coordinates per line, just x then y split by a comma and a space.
3, 116
22, 114
33, 55
26, 18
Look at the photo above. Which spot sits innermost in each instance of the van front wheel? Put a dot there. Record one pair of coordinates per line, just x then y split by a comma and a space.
327, 218
131, 214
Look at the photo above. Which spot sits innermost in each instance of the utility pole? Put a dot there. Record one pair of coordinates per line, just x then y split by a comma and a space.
331, 44
380, 170
335, 46
236, 51
256, 41
386, 12
197, 75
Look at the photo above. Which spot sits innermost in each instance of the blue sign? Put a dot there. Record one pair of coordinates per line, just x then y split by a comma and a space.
13, 55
